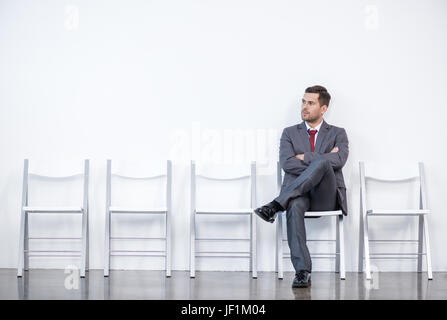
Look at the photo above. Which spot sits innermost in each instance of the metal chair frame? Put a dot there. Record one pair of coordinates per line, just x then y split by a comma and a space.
112, 210
421, 213
195, 212
339, 254
24, 252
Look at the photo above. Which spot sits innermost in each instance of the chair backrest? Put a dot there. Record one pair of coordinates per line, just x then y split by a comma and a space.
225, 173
373, 172
27, 175
167, 175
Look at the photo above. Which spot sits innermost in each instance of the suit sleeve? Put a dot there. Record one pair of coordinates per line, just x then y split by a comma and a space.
289, 163
337, 159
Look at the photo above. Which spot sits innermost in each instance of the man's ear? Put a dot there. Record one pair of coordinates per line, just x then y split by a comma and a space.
324, 108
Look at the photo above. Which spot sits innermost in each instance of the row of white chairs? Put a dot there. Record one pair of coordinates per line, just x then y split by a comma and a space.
195, 212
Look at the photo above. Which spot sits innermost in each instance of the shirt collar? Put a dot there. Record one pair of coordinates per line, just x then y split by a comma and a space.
316, 128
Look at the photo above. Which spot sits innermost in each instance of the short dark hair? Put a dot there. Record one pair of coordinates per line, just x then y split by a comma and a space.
323, 96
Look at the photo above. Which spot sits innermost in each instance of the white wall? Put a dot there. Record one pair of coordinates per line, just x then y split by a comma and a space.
152, 80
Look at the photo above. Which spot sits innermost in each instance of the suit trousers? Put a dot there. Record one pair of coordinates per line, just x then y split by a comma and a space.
315, 189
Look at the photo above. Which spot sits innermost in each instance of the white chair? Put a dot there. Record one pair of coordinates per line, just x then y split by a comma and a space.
166, 211
366, 213
26, 209
339, 254
195, 212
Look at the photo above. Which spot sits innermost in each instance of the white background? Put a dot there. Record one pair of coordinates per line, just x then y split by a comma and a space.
144, 81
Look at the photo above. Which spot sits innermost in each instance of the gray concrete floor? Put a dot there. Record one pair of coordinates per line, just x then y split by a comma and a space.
55, 284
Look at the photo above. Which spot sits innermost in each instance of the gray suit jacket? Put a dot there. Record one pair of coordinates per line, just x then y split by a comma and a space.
295, 140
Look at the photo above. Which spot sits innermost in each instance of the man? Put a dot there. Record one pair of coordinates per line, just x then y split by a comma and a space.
312, 155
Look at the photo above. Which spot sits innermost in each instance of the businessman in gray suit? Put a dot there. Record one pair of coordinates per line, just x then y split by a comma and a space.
312, 155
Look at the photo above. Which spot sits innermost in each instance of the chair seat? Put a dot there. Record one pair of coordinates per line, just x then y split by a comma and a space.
115, 209
323, 213
235, 211
55, 209
396, 212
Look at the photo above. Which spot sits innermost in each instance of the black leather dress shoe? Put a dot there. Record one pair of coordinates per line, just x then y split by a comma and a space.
302, 279
268, 211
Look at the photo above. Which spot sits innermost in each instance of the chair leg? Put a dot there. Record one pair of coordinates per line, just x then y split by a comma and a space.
85, 206
341, 241
87, 255
276, 247
254, 268
84, 243
168, 244
420, 241
366, 248
279, 252
361, 245
26, 252
427, 249
107, 244
21, 244
337, 244
192, 253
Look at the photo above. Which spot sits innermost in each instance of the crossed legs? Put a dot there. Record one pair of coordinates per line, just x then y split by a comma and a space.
315, 189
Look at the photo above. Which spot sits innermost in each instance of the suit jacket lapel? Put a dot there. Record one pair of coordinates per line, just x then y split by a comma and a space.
321, 136
302, 131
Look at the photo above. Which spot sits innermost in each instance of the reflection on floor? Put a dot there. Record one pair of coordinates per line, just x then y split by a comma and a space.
56, 284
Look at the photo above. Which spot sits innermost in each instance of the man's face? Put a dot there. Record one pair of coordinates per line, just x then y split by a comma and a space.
311, 110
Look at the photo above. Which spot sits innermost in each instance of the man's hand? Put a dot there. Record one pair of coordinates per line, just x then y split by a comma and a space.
335, 149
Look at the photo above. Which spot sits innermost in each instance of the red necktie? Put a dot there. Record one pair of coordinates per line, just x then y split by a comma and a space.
312, 133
